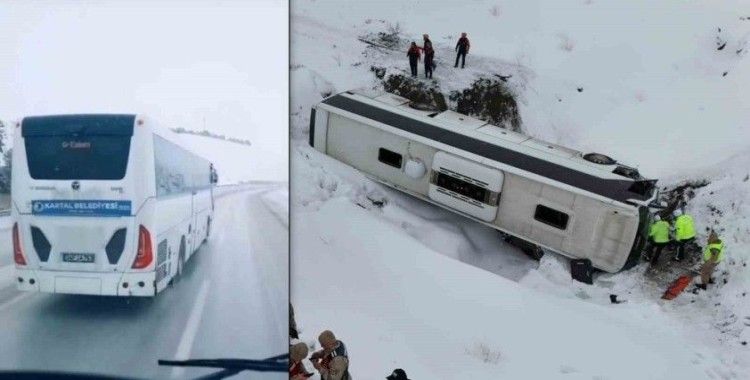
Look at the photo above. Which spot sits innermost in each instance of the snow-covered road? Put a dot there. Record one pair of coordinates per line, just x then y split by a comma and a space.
231, 303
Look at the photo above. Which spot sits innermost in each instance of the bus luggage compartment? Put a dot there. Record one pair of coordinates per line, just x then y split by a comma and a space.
465, 186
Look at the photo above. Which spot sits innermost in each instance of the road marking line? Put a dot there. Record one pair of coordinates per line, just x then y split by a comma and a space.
14, 300
7, 275
191, 329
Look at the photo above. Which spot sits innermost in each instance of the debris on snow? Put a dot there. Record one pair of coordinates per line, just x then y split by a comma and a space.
489, 100
420, 93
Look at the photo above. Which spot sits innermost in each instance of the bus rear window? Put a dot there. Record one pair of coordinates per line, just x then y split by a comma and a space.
77, 157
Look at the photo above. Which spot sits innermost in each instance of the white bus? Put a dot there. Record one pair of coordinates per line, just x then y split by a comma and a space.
584, 206
105, 205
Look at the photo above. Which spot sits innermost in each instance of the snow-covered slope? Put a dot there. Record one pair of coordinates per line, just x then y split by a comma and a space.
653, 95
651, 74
397, 303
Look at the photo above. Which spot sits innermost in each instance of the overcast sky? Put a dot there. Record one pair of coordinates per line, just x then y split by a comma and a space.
179, 62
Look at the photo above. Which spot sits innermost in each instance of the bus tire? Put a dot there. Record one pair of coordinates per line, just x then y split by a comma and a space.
181, 258
208, 228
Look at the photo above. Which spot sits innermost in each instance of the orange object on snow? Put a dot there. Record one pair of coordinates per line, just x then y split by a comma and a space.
677, 287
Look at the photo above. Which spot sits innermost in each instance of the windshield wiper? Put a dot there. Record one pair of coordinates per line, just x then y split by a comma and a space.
230, 367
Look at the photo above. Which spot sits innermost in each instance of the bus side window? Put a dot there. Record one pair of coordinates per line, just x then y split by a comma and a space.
389, 157
551, 217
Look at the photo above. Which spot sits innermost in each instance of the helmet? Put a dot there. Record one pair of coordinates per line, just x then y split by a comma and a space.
677, 212
657, 217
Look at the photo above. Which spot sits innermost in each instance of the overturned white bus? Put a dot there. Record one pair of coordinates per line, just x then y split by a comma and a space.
582, 206
105, 205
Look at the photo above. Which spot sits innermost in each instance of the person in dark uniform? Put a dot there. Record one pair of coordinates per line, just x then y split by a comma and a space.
429, 56
398, 374
462, 47
332, 361
413, 55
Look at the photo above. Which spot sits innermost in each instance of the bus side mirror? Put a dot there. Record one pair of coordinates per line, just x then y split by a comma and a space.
214, 177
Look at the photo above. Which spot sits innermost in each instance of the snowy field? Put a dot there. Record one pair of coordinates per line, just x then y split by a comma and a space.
236, 162
413, 286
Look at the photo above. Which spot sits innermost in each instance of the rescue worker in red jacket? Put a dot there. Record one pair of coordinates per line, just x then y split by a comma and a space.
413, 55
332, 361
429, 56
462, 47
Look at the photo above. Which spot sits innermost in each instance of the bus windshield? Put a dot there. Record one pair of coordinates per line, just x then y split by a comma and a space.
71, 148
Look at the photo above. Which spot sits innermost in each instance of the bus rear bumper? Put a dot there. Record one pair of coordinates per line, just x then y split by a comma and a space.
100, 284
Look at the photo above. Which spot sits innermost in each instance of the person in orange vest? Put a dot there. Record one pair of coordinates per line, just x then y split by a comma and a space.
332, 361
413, 53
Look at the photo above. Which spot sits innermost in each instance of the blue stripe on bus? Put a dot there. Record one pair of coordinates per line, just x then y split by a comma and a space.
100, 208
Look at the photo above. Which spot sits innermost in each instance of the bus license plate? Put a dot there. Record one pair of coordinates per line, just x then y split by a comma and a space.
78, 257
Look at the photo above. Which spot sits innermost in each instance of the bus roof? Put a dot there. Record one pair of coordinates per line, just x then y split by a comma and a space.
463, 132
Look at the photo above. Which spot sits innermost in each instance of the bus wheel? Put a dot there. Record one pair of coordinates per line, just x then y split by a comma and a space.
181, 258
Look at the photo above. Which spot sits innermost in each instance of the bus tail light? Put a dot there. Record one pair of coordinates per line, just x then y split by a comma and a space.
145, 254
17, 249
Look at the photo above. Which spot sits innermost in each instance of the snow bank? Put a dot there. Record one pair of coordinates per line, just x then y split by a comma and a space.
398, 304
233, 162
277, 201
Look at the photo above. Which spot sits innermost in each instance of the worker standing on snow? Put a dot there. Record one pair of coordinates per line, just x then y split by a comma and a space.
712, 256
429, 56
659, 236
413, 55
332, 361
462, 47
684, 229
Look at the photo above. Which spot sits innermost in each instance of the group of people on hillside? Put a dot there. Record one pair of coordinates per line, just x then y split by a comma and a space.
684, 234
331, 361
415, 54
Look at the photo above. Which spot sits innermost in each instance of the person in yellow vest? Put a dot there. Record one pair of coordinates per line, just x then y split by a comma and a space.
712, 256
684, 232
658, 235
